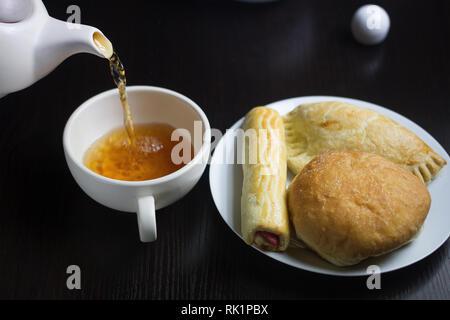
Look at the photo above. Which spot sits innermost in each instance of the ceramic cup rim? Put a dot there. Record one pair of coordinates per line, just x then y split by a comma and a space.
206, 141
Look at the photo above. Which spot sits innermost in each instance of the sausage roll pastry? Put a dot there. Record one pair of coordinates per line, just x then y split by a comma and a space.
316, 128
264, 216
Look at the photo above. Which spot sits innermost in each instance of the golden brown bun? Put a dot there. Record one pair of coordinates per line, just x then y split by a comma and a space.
348, 206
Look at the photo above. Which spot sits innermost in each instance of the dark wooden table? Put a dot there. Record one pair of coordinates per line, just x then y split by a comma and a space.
228, 57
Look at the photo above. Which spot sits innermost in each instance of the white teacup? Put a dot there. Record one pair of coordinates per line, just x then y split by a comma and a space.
101, 114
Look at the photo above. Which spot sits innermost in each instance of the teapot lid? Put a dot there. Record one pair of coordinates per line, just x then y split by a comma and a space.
12, 11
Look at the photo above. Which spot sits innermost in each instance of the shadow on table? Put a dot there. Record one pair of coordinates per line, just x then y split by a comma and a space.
284, 282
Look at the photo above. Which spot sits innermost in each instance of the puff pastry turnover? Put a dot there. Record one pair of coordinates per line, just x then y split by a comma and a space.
264, 216
316, 128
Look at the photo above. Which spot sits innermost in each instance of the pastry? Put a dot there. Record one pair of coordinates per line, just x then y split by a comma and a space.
264, 217
348, 206
316, 128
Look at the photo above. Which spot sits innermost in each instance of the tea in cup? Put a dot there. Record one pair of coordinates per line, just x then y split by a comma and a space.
156, 111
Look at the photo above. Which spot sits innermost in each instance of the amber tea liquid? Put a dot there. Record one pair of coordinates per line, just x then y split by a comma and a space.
113, 157
141, 152
118, 74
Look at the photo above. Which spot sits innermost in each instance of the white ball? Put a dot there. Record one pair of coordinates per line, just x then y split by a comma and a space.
14, 10
370, 24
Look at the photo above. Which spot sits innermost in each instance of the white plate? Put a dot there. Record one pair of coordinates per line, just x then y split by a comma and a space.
226, 184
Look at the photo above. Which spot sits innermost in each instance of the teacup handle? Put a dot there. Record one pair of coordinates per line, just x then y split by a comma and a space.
146, 218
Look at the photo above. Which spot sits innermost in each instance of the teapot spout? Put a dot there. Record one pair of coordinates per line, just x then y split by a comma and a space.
60, 40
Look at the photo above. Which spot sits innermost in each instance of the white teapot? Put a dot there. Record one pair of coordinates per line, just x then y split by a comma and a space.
32, 43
